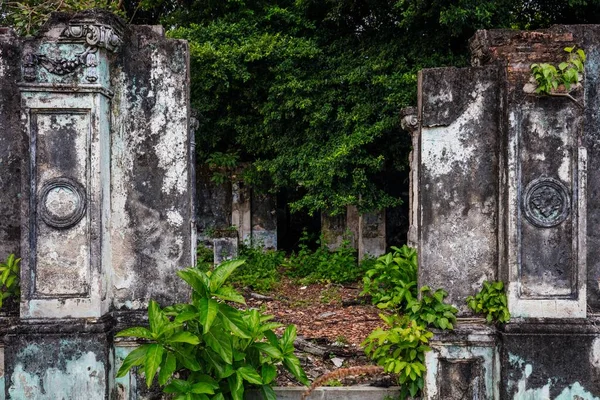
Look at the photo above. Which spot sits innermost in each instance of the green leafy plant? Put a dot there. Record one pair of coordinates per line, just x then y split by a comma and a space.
392, 283
549, 78
208, 348
491, 301
260, 270
222, 165
9, 279
431, 309
392, 280
204, 257
400, 349
322, 265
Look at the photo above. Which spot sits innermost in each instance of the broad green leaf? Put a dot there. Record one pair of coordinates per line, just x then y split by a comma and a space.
184, 337
268, 393
178, 386
220, 342
222, 272
270, 326
292, 364
269, 349
222, 368
202, 388
236, 386
155, 317
249, 374
188, 361
153, 360
229, 294
272, 338
232, 320
186, 315
268, 373
133, 359
137, 332
288, 338
207, 309
167, 368
196, 279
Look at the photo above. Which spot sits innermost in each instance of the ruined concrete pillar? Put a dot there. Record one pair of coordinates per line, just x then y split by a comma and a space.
241, 210
507, 190
410, 122
105, 193
366, 232
333, 229
264, 220
371, 234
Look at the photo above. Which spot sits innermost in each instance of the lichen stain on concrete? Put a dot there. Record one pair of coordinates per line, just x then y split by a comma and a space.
595, 355
441, 144
3, 64
84, 375
169, 148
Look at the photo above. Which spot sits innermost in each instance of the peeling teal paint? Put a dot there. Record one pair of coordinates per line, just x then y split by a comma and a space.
124, 385
84, 375
576, 391
573, 391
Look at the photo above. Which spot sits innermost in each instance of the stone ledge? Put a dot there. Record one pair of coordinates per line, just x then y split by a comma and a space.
332, 393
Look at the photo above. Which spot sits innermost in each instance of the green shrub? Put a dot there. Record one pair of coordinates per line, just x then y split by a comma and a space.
431, 310
208, 348
392, 283
261, 268
9, 279
491, 301
400, 349
205, 257
392, 280
323, 265
548, 77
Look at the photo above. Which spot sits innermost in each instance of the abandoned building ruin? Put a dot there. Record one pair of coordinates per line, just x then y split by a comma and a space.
97, 186
505, 187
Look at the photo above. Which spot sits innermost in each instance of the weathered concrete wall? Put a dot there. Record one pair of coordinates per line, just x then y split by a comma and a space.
551, 361
264, 220
12, 145
589, 38
458, 187
150, 162
365, 232
97, 196
214, 202
508, 190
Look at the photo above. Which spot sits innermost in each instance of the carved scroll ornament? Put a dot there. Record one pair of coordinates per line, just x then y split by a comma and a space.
100, 36
96, 36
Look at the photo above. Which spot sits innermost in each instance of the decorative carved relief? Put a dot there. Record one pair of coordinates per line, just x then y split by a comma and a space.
479, 45
408, 119
61, 203
95, 35
546, 202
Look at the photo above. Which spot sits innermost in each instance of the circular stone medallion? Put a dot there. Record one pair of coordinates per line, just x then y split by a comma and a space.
546, 202
62, 203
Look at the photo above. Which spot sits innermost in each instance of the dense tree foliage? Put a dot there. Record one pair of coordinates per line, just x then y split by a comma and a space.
307, 92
